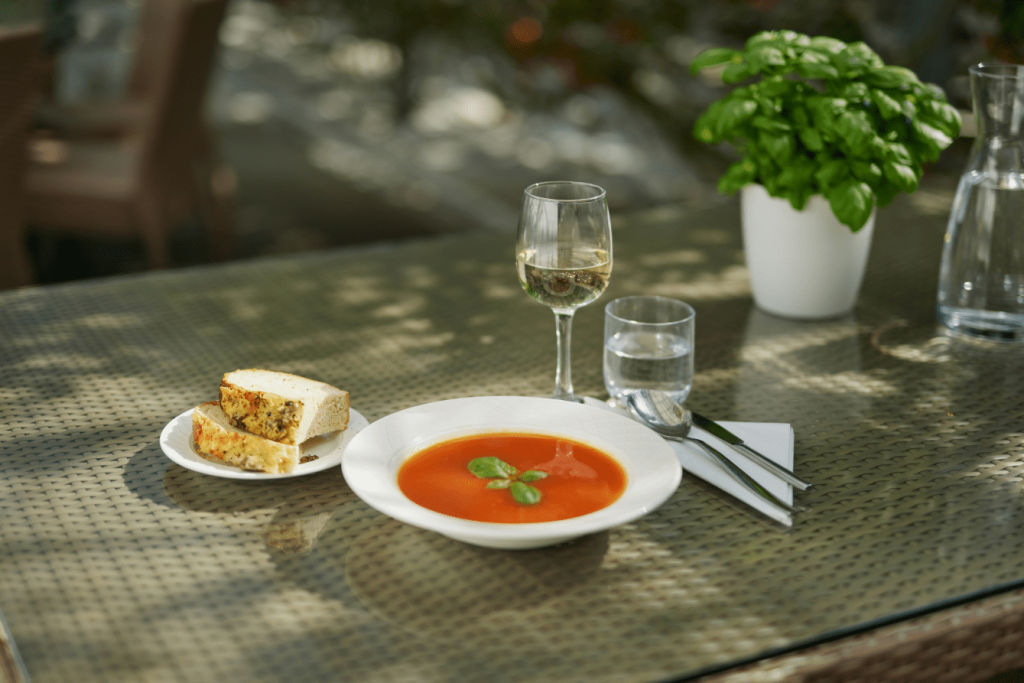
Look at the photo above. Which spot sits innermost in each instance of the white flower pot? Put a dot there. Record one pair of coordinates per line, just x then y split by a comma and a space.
803, 264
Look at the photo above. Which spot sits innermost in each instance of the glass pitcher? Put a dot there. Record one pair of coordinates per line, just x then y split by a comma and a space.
981, 281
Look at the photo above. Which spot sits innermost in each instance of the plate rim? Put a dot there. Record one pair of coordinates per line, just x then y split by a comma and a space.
622, 511
356, 424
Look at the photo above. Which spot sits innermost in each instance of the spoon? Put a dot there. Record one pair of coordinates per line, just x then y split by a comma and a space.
673, 421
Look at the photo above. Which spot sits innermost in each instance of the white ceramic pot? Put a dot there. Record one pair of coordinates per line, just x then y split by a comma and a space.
803, 264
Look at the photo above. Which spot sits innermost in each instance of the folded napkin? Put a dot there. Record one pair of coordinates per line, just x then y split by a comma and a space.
773, 439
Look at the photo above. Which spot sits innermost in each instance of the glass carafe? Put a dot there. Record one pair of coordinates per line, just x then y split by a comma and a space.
981, 282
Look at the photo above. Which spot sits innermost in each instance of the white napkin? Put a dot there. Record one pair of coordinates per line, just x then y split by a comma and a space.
773, 439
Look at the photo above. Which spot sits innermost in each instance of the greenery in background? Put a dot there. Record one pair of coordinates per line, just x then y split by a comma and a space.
824, 117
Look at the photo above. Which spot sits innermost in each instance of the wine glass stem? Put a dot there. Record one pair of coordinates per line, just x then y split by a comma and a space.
563, 369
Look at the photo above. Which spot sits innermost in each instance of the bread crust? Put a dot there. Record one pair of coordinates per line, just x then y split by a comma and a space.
216, 439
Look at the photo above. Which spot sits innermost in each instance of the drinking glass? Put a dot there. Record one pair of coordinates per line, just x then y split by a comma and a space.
564, 257
648, 344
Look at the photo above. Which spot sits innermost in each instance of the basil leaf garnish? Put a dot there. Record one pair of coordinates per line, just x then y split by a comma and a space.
490, 467
524, 494
505, 476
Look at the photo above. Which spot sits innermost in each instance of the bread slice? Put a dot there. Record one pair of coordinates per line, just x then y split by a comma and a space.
282, 407
215, 438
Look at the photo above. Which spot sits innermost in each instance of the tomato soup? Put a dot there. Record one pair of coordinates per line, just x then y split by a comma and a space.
570, 478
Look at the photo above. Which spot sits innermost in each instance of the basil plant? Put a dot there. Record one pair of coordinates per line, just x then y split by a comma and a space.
820, 116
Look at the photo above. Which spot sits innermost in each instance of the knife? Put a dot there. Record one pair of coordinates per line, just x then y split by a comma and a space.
736, 442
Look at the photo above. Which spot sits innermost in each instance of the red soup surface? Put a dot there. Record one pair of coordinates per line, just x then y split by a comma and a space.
580, 478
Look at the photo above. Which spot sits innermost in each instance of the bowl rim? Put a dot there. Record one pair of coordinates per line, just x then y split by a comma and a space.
372, 459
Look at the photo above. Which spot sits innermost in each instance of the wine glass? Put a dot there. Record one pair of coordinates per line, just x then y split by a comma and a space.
564, 257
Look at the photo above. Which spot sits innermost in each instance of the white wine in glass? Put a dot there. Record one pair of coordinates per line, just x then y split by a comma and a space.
564, 257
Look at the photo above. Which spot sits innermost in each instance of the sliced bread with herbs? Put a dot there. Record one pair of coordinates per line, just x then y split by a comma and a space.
282, 407
216, 439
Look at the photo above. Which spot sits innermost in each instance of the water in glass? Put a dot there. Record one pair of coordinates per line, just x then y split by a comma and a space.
648, 360
981, 281
648, 344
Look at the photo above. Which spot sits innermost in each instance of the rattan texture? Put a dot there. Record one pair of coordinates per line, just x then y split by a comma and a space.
118, 565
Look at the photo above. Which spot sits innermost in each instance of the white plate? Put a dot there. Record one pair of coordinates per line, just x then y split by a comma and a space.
373, 458
176, 442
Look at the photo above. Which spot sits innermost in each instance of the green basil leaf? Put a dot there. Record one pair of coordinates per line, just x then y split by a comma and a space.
762, 38
736, 72
900, 175
930, 136
735, 111
763, 56
791, 37
707, 128
823, 71
798, 114
856, 59
798, 198
489, 467
776, 86
888, 107
827, 44
897, 131
713, 57
875, 149
771, 125
851, 202
885, 193
865, 52
766, 105
780, 39
923, 152
855, 91
814, 57
943, 116
899, 153
532, 475
524, 494
779, 145
909, 108
835, 105
867, 171
738, 175
930, 91
855, 128
890, 77
811, 139
798, 174
831, 173
502, 483
824, 111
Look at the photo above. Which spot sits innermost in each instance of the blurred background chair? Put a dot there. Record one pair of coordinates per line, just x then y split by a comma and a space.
20, 85
116, 117
139, 165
